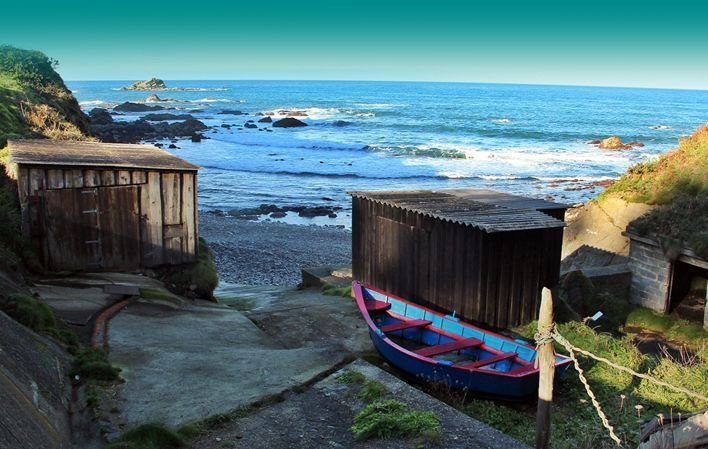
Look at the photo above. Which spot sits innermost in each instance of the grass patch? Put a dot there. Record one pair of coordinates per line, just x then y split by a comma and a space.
149, 436
681, 172
393, 419
36, 315
92, 364
351, 377
373, 390
33, 313
333, 290
683, 223
575, 423
672, 328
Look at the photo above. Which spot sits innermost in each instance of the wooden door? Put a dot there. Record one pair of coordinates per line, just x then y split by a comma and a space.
72, 238
119, 218
92, 229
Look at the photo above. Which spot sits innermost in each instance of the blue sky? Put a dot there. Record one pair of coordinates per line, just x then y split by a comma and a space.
614, 43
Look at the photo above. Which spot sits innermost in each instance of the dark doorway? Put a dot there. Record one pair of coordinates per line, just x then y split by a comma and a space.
687, 295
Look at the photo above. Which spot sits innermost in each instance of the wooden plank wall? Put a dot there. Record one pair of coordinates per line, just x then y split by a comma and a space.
494, 279
167, 205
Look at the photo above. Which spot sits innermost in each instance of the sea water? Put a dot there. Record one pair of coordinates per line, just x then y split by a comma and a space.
522, 139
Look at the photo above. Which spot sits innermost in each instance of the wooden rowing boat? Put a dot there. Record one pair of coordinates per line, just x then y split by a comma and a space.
442, 349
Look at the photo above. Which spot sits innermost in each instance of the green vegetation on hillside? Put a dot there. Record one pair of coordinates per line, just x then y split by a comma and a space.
682, 172
34, 101
678, 183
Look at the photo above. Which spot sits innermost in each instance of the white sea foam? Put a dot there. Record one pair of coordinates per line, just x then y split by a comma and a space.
501, 121
378, 105
217, 100
91, 102
660, 127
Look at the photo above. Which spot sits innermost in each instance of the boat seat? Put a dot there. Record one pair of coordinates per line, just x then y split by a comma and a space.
410, 324
522, 369
373, 305
444, 348
488, 361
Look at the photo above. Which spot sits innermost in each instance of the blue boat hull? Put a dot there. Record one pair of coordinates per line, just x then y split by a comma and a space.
498, 380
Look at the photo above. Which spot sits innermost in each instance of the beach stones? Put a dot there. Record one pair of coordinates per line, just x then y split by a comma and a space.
288, 122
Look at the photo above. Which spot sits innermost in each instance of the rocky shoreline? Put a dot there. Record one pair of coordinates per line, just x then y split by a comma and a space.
271, 253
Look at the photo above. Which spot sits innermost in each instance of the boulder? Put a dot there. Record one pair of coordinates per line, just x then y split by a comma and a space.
611, 143
265, 120
232, 112
136, 107
100, 116
196, 137
340, 123
288, 122
151, 84
615, 143
153, 99
250, 125
172, 146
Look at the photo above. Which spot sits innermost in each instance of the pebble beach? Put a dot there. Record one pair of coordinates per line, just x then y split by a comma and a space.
271, 253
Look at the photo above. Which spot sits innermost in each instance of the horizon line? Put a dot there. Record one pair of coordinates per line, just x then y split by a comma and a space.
403, 81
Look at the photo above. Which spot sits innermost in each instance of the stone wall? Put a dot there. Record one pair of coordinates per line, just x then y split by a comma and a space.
35, 393
651, 274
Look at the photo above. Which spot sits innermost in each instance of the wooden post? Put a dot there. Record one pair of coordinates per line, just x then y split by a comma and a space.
546, 359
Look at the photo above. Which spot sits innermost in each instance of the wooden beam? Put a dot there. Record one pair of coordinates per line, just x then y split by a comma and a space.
546, 363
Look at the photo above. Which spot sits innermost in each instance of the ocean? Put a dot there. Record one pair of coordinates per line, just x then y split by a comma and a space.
522, 139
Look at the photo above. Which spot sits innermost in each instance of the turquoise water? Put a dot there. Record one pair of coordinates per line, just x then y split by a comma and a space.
522, 139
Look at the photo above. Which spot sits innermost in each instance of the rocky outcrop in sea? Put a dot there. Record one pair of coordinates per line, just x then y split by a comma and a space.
105, 128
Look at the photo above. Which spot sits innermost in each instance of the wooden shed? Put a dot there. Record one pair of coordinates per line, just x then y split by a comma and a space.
482, 254
101, 206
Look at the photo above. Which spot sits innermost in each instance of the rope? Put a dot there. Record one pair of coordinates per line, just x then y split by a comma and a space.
595, 403
568, 346
548, 336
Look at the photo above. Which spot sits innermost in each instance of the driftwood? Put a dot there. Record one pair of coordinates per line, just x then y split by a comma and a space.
688, 432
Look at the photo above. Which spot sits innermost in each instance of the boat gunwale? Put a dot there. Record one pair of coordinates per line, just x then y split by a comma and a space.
358, 287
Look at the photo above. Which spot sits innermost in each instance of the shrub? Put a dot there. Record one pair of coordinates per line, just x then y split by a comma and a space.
33, 313
681, 172
92, 364
373, 390
392, 419
148, 436
333, 290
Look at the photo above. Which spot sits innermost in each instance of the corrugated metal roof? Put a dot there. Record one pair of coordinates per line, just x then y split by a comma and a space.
485, 209
94, 154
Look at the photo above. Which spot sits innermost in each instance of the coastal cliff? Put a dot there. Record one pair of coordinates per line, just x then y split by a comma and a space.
665, 199
35, 387
34, 101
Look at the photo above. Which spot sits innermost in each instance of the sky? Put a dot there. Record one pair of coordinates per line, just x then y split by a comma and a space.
639, 43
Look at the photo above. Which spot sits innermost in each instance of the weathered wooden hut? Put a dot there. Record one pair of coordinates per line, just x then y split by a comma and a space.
485, 255
101, 206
